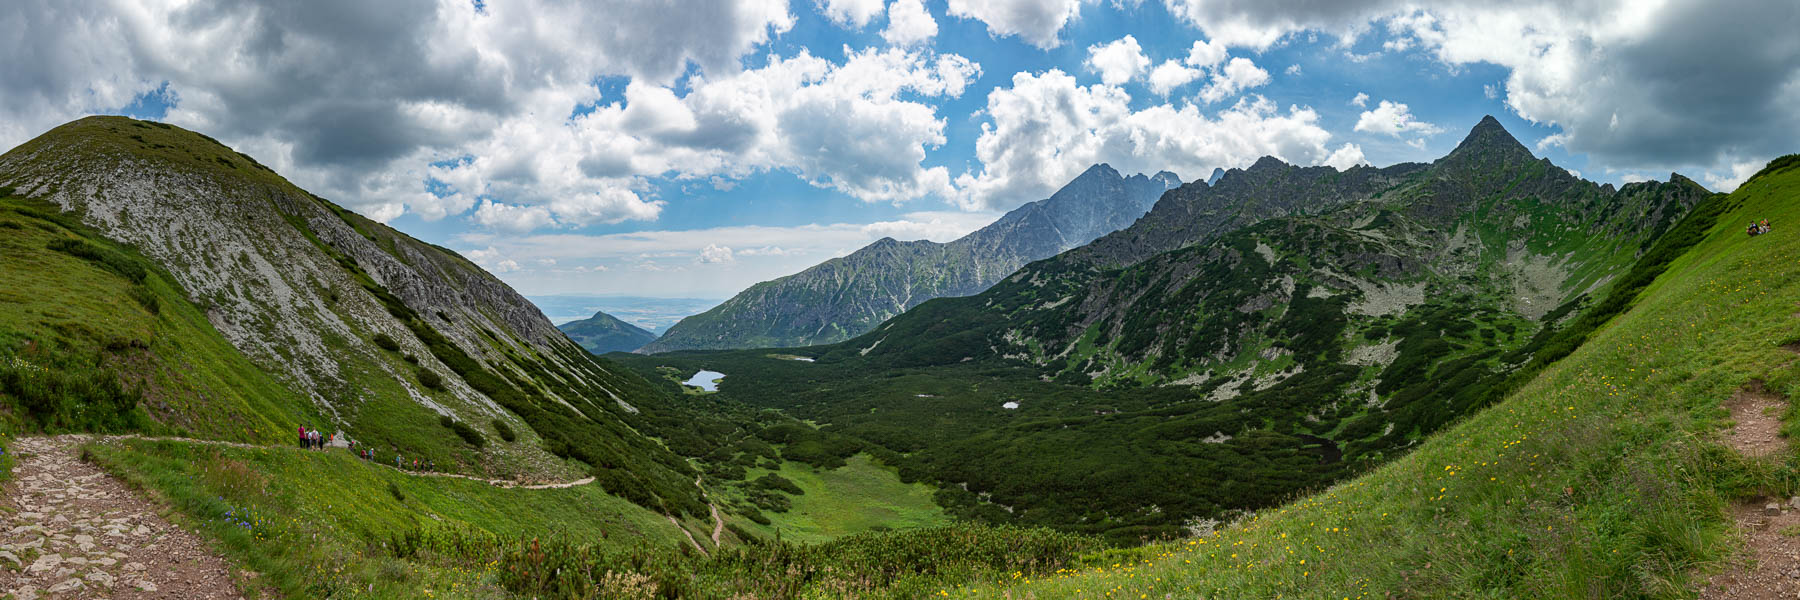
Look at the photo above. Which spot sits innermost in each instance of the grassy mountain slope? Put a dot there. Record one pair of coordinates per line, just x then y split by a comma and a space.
328, 319
82, 312
1226, 375
603, 333
845, 297
1601, 477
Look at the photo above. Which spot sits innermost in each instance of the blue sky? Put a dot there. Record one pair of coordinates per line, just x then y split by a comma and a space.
692, 148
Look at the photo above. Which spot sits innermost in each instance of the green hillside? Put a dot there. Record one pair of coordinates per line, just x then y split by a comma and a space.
603, 333
1603, 477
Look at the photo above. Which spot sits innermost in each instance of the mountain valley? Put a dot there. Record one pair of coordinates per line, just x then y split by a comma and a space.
1283, 356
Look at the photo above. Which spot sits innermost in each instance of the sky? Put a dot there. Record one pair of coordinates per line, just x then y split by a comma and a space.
690, 148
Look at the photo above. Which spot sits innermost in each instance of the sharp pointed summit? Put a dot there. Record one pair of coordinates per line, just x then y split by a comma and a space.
1490, 140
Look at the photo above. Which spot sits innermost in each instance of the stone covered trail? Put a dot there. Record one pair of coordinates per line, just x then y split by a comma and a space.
77, 533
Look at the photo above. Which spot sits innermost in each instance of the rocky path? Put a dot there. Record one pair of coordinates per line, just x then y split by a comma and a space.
1770, 566
78, 533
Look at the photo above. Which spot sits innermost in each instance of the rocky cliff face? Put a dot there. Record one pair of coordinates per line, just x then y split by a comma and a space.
347, 311
845, 297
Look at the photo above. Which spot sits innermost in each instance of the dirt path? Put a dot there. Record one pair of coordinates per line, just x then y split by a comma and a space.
1770, 567
78, 533
1756, 412
718, 523
505, 483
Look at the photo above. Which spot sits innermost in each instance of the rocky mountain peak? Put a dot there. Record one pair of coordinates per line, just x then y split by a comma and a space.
1167, 178
1266, 163
1489, 140
1216, 174
1099, 170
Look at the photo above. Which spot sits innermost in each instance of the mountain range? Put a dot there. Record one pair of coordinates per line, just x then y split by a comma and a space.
845, 297
1279, 329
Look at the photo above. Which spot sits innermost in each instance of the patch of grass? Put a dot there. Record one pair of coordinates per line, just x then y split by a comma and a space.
60, 393
860, 496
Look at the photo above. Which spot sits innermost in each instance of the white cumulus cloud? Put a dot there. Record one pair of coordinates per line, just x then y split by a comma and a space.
1394, 119
714, 254
1044, 129
839, 126
1237, 75
1204, 53
1170, 75
909, 23
1118, 61
854, 14
1036, 21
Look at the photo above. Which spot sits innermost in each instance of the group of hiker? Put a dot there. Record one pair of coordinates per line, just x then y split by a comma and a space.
1758, 228
315, 439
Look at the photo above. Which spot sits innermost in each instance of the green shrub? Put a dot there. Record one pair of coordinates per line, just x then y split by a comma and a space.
394, 490
505, 431
772, 481
103, 257
430, 379
463, 430
386, 343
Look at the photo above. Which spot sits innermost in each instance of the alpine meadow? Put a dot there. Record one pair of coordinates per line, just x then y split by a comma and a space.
1022, 300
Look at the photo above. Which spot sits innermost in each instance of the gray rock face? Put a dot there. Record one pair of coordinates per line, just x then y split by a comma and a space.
279, 273
845, 297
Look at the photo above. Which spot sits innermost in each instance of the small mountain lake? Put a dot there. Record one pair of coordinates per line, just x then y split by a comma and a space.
706, 380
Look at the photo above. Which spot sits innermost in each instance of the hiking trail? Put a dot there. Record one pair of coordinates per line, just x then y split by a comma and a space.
1770, 565
70, 442
79, 533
